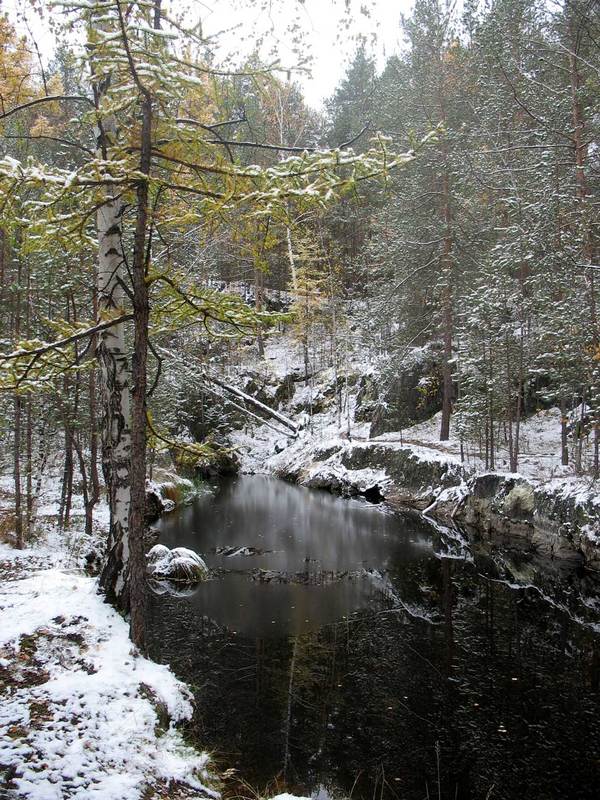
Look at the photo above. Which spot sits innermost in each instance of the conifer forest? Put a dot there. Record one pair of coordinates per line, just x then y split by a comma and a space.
299, 400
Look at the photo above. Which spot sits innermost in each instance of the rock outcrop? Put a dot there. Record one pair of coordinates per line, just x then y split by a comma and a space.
413, 394
557, 520
178, 565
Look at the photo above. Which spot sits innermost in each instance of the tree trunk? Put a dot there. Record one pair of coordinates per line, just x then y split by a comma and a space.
68, 414
141, 316
2, 266
447, 322
291, 260
514, 464
64, 511
446, 261
447, 370
28, 425
114, 372
94, 477
18, 401
17, 473
258, 305
141, 310
579, 436
564, 447
590, 250
29, 467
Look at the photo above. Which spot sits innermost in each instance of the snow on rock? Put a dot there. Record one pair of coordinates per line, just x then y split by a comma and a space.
546, 505
178, 564
171, 487
448, 501
286, 796
82, 713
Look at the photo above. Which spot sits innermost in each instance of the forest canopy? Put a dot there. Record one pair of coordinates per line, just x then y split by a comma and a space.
440, 208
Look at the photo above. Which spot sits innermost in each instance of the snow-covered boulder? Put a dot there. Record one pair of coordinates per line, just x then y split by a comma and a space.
178, 564
154, 502
287, 796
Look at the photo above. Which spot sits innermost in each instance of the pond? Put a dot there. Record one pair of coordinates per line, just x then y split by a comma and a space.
340, 649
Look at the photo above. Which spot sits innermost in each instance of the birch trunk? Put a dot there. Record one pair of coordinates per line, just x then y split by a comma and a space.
114, 375
291, 260
18, 401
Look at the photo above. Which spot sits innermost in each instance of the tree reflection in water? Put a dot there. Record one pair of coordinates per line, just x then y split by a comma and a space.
420, 676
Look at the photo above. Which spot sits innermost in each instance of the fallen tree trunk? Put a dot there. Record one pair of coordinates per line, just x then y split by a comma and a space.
283, 420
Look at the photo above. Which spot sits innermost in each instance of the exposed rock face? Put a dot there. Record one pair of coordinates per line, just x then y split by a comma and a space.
413, 481
206, 460
511, 510
498, 503
549, 520
309, 403
400, 475
502, 508
411, 396
220, 461
285, 390
569, 519
366, 399
260, 389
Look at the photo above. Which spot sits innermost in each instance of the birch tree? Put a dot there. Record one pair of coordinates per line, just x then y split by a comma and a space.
159, 168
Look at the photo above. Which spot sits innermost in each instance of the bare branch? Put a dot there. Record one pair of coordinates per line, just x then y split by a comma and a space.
53, 98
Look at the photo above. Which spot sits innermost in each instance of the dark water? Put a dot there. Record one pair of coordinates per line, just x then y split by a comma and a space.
351, 651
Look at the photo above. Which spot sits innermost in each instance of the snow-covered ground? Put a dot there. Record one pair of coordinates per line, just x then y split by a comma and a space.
540, 453
82, 713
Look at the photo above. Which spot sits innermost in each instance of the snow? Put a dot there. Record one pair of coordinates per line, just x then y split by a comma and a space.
96, 734
286, 796
79, 706
452, 495
176, 564
263, 450
540, 453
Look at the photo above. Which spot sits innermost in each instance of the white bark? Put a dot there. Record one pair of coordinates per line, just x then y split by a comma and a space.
114, 371
288, 235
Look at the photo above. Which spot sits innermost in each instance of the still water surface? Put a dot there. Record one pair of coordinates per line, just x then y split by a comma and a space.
339, 649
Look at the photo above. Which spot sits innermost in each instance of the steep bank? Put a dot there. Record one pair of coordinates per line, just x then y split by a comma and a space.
545, 507
558, 518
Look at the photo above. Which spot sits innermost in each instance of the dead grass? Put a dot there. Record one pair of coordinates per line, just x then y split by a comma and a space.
7, 527
170, 491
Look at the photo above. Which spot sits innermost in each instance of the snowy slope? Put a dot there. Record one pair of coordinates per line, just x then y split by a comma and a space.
79, 717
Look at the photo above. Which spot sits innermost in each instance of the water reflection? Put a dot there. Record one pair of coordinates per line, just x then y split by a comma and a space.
314, 558
422, 676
